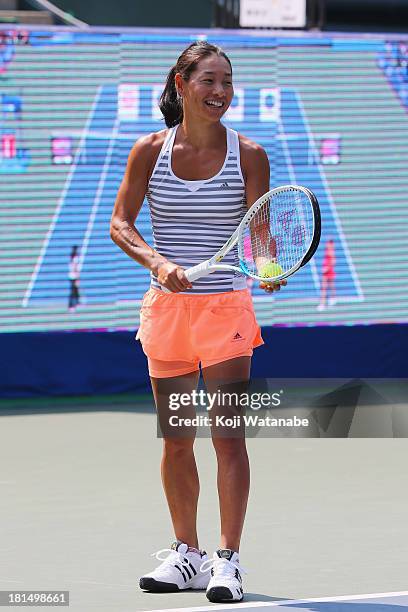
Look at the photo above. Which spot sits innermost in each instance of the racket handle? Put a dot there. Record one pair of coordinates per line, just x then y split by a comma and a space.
198, 271
193, 273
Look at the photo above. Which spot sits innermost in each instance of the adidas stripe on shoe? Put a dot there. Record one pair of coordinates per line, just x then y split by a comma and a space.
226, 582
179, 570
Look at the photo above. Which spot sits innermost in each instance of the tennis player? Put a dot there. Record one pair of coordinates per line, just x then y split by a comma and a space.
328, 277
199, 177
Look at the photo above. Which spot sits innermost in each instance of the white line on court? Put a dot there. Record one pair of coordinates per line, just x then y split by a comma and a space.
293, 181
283, 602
106, 134
330, 198
61, 200
6, 579
130, 586
98, 195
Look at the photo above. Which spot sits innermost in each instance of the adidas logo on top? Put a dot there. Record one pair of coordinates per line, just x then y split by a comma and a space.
224, 185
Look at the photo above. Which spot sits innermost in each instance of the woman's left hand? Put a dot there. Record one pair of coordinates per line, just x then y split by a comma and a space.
271, 287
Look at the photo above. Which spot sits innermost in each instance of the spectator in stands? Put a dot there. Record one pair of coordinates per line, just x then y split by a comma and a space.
394, 62
6, 51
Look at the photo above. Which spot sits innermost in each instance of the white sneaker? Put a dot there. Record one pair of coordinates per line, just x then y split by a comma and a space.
179, 570
226, 582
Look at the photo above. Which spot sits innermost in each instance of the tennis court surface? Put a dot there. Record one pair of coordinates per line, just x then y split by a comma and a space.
82, 511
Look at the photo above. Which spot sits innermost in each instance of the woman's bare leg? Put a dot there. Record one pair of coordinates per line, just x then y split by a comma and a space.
178, 466
233, 476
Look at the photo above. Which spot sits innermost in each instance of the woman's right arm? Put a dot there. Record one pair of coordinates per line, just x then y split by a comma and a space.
127, 206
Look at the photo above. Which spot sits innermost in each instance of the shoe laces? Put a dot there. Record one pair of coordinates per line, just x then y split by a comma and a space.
172, 557
222, 567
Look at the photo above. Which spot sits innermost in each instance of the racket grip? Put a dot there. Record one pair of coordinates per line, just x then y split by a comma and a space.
193, 273
197, 271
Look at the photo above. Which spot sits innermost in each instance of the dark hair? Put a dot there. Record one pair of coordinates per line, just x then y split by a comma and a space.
170, 103
74, 251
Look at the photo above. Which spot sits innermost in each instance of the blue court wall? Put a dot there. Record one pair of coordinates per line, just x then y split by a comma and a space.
93, 363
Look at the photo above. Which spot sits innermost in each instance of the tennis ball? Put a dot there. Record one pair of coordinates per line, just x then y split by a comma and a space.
270, 270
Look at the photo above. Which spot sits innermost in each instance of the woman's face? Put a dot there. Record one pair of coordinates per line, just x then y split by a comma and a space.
209, 92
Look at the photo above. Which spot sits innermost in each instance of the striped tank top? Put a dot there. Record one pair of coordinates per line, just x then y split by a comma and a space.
191, 220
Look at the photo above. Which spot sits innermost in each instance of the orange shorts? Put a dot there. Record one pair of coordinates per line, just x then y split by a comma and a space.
180, 331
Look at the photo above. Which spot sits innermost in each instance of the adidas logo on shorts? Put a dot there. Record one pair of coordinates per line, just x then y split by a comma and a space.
237, 337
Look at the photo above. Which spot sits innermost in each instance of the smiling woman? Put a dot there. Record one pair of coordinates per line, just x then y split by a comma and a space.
199, 63
206, 94
199, 177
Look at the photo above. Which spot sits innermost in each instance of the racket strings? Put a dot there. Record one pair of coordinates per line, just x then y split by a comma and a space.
280, 233
263, 244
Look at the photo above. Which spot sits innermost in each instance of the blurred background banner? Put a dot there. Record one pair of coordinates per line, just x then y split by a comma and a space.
333, 15
331, 111
272, 13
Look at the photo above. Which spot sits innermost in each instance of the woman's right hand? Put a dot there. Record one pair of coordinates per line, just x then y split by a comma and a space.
173, 277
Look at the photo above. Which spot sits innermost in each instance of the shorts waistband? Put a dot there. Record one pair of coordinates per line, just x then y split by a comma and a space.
198, 296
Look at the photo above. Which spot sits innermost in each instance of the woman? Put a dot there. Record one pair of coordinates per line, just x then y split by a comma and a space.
73, 276
328, 277
199, 178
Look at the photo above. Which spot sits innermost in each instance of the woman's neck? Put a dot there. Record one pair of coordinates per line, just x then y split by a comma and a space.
201, 136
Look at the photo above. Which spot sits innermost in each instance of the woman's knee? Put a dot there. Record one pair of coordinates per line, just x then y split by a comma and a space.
229, 447
178, 446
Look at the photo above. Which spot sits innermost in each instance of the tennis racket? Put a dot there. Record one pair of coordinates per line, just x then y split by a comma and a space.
278, 235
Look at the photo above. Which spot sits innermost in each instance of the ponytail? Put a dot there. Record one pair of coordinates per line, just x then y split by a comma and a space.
171, 104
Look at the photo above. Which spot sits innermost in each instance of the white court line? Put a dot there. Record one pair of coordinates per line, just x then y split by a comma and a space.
6, 579
330, 199
293, 181
61, 201
98, 195
104, 134
108, 585
283, 602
